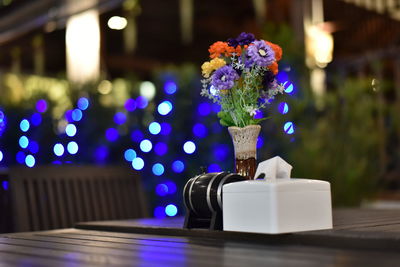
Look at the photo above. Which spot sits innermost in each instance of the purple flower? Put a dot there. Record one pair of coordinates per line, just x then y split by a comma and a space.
224, 78
261, 54
243, 39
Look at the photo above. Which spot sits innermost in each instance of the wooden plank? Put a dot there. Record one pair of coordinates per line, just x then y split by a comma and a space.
114, 185
60, 200
15, 259
86, 203
111, 203
77, 200
42, 200
32, 205
53, 211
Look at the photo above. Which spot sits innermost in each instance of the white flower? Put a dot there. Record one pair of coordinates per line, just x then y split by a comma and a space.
251, 110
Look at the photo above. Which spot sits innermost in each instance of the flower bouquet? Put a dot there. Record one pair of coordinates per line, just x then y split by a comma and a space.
240, 77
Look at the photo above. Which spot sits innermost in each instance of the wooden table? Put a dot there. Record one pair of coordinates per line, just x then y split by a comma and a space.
359, 238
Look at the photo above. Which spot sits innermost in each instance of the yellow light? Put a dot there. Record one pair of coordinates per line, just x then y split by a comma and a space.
104, 87
319, 46
117, 23
83, 47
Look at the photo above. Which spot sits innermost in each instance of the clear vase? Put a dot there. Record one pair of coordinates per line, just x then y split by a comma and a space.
245, 147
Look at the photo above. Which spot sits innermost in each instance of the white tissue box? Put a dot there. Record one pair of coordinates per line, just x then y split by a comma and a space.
277, 206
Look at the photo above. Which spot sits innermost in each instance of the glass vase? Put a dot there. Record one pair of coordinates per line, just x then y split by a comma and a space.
245, 148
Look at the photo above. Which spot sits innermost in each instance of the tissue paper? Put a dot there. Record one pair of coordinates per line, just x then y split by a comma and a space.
273, 168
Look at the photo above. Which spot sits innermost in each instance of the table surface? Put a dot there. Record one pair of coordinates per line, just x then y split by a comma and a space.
359, 238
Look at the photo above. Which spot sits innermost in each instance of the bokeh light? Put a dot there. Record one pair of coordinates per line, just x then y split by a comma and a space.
41, 105
159, 212
83, 103
158, 169
170, 87
148, 90
161, 148
24, 125
162, 190
20, 157
1, 155
154, 128
260, 142
204, 109
164, 107
72, 147
36, 119
58, 149
76, 114
130, 154
137, 136
171, 210
33, 146
23, 141
199, 130
112, 134
289, 89
221, 152
214, 168
189, 147
141, 102
165, 128
178, 166
5, 185
289, 127
283, 108
30, 161
137, 163
146, 145
101, 154
171, 187
130, 104
119, 118
70, 130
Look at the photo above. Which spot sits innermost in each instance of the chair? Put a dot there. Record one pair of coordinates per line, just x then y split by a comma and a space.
58, 196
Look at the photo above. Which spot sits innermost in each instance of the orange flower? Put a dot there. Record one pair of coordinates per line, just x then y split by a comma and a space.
277, 49
219, 48
274, 68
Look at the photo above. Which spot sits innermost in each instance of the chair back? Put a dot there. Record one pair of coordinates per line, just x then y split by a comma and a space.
58, 196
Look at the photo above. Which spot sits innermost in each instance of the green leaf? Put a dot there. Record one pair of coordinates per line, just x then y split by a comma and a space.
225, 119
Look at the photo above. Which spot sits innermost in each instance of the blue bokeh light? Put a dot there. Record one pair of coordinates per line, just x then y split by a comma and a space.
130, 104
20, 157
154, 128
158, 169
76, 114
119, 118
259, 115
141, 102
171, 210
101, 154
164, 107
216, 107
36, 119
289, 127
171, 187
70, 130
162, 190
161, 148
165, 128
58, 149
130, 154
146, 145
214, 168
289, 88
1, 155
23, 141
24, 125
189, 147
159, 212
33, 146
72, 147
170, 87
83, 103
204, 109
68, 115
112, 134
199, 130
5, 185
221, 152
178, 166
283, 108
260, 142
137, 163
30, 161
41, 105
137, 136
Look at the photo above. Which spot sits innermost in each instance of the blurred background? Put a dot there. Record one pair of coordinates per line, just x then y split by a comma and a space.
117, 82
